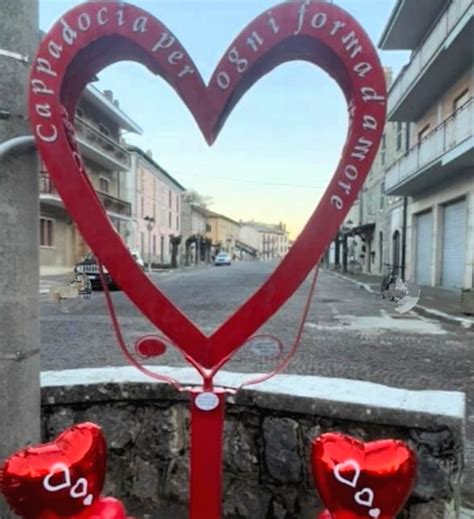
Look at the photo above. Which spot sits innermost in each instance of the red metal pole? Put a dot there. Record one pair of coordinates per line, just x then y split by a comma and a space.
207, 426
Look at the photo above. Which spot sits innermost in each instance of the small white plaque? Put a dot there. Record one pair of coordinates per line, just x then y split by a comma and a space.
265, 348
207, 401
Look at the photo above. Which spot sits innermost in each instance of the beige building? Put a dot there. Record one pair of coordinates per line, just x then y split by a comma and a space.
433, 94
270, 240
99, 122
222, 231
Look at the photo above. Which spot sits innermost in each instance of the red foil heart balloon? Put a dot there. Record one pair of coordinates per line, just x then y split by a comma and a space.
325, 514
102, 508
94, 35
106, 508
62, 478
362, 480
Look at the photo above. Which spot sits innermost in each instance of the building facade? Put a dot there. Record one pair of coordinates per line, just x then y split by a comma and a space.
98, 122
156, 209
433, 96
371, 237
270, 240
222, 231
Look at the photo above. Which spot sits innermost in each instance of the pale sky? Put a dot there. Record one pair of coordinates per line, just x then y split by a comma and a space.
281, 143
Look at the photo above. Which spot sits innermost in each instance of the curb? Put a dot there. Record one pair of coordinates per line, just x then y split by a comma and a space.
466, 323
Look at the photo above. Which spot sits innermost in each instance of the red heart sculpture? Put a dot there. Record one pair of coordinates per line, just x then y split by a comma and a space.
362, 480
61, 478
94, 35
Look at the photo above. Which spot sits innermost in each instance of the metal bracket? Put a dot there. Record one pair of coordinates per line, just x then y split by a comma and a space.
25, 143
14, 55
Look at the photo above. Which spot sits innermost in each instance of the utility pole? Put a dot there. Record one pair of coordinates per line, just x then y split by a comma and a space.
19, 222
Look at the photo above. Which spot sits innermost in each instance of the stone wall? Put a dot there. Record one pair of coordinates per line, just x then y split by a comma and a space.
267, 439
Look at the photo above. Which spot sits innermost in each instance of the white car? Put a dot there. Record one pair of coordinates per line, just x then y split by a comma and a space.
136, 256
222, 259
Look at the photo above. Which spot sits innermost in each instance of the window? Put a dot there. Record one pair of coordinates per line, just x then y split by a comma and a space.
407, 137
169, 198
177, 222
104, 184
422, 134
382, 195
142, 243
154, 244
46, 232
461, 100
177, 202
142, 206
169, 219
399, 135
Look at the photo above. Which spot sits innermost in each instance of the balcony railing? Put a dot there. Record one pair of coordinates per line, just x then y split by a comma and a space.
452, 132
89, 134
115, 204
46, 185
424, 54
110, 202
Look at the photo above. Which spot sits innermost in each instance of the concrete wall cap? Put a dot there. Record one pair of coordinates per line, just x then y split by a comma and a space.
373, 398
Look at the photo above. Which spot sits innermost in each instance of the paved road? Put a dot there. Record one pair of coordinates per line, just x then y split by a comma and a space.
349, 333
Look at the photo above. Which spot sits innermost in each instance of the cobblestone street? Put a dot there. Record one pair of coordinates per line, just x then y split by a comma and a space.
349, 333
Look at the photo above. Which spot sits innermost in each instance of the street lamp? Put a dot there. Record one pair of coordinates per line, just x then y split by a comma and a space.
150, 224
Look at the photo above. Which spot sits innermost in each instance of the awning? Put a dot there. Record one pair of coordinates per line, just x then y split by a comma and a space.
365, 231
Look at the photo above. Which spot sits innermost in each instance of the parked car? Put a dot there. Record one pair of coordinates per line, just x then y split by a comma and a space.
137, 257
90, 268
222, 259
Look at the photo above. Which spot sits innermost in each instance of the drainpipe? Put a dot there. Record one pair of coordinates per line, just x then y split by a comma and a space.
344, 253
404, 236
337, 254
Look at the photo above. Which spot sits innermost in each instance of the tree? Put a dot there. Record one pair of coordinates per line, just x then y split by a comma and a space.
175, 242
194, 198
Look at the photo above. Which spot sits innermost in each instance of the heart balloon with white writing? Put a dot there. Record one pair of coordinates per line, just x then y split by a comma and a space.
359, 480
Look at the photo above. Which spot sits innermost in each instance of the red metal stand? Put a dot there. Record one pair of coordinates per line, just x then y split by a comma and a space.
207, 426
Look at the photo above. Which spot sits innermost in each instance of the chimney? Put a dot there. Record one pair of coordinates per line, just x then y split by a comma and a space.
109, 95
149, 153
116, 103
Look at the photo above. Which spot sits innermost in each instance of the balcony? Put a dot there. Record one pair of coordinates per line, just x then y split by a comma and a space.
116, 207
48, 193
441, 58
406, 28
447, 149
101, 149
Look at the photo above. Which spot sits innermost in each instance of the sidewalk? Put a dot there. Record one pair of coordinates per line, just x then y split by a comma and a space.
434, 302
51, 281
